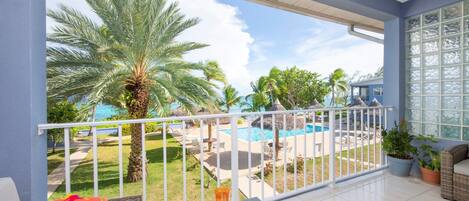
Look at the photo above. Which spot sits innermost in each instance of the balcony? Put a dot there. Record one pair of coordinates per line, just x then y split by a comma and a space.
247, 155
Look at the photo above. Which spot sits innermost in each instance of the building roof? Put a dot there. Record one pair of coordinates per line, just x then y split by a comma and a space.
367, 82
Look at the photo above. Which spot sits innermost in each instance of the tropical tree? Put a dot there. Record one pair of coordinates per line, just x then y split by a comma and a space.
293, 87
230, 97
298, 88
59, 112
213, 72
271, 83
258, 100
337, 83
132, 54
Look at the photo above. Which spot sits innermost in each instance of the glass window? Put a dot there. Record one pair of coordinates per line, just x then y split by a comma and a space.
378, 91
437, 74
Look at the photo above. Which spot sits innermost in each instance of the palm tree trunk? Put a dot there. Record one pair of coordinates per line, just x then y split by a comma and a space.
277, 142
210, 136
137, 107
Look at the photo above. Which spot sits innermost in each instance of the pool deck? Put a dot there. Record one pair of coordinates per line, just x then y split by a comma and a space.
304, 147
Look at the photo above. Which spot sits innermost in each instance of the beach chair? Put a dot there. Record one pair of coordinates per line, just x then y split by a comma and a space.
268, 150
196, 144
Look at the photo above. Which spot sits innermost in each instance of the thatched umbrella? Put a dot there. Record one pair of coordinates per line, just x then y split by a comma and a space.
209, 122
269, 124
375, 103
315, 105
358, 102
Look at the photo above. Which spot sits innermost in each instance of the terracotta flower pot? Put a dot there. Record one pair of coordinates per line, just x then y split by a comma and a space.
430, 176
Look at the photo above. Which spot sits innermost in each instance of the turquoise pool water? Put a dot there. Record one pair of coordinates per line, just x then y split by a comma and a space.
256, 135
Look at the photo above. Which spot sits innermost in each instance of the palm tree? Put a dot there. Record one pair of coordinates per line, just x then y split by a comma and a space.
132, 54
213, 72
230, 97
258, 99
267, 85
337, 83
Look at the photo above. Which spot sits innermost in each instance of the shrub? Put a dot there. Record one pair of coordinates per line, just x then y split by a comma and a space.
60, 112
149, 128
396, 142
299, 165
428, 157
240, 121
268, 169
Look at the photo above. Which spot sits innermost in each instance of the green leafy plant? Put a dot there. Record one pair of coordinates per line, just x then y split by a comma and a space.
299, 165
396, 142
60, 112
268, 169
427, 156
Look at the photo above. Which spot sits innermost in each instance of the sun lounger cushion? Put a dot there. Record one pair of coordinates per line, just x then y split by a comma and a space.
462, 167
8, 190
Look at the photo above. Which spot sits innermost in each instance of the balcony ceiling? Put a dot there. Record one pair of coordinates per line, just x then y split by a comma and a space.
326, 12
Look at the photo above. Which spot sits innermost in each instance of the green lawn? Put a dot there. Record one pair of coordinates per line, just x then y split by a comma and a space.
318, 167
82, 177
55, 159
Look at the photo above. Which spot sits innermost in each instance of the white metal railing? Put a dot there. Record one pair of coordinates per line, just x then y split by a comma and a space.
343, 131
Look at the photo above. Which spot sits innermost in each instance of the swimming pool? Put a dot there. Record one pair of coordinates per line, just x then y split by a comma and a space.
256, 135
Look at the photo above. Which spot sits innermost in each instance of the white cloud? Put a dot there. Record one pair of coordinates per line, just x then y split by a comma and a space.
219, 27
258, 51
328, 48
226, 34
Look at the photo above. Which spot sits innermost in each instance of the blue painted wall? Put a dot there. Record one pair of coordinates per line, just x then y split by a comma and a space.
23, 96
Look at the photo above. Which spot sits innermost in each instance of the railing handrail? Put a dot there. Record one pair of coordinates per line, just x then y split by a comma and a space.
42, 127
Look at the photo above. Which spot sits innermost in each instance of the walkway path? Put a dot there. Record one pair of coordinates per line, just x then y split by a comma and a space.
256, 187
57, 176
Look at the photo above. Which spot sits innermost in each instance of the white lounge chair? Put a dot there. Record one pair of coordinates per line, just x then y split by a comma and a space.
8, 190
196, 144
268, 150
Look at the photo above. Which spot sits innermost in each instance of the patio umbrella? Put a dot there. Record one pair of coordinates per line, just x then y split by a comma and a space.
269, 123
358, 102
315, 105
375, 103
210, 123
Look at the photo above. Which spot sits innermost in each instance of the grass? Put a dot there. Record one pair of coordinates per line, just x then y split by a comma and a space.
55, 159
316, 165
82, 177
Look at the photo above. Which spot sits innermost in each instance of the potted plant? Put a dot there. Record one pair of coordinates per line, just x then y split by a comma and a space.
396, 144
429, 160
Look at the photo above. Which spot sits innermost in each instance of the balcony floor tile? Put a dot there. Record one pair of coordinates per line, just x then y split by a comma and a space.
379, 186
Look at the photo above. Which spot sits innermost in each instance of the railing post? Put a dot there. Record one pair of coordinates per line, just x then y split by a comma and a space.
234, 159
332, 147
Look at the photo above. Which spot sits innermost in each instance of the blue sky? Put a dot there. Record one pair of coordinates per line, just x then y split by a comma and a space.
247, 39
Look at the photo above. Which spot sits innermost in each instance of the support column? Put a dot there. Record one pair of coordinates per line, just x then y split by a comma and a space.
394, 69
23, 96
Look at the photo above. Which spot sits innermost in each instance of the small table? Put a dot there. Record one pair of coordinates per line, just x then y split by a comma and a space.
209, 141
271, 144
